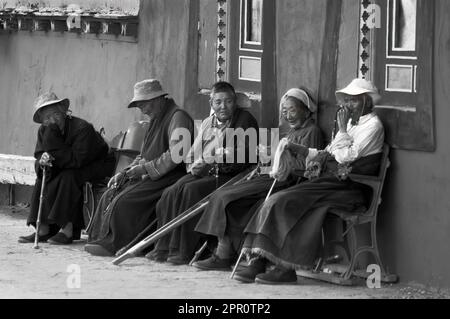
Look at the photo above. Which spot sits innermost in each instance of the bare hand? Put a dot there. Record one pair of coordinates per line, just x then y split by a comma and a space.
343, 117
136, 172
114, 180
45, 160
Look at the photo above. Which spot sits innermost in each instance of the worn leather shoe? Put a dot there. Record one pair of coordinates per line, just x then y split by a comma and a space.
30, 238
97, 250
158, 256
248, 274
277, 276
60, 239
213, 263
178, 260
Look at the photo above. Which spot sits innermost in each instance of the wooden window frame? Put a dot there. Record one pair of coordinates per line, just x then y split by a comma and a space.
408, 117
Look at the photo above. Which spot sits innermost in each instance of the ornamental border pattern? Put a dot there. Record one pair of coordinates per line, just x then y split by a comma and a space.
222, 32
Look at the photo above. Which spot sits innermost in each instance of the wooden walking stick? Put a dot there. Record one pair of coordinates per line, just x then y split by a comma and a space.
41, 200
170, 226
242, 250
198, 253
46, 162
237, 264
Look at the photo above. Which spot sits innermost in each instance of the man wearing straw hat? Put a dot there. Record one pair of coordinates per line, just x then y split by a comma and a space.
128, 207
76, 154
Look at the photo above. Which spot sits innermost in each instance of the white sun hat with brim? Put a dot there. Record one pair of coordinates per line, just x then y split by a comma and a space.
361, 86
45, 100
146, 90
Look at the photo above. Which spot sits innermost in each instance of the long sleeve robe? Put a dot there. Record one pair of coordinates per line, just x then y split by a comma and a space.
230, 208
122, 215
80, 155
287, 227
192, 188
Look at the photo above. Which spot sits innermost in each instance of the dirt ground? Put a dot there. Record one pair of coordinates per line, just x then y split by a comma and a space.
45, 273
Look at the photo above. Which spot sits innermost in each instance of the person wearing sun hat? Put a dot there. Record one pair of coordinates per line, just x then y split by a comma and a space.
285, 232
128, 206
78, 154
145, 91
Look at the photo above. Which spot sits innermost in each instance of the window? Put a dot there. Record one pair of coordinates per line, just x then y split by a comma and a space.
400, 55
402, 25
246, 46
251, 24
400, 60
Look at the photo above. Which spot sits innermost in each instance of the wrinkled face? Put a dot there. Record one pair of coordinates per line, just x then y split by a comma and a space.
294, 113
151, 107
223, 105
356, 105
52, 114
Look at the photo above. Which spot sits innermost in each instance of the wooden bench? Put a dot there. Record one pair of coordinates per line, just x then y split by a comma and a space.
343, 274
16, 170
19, 170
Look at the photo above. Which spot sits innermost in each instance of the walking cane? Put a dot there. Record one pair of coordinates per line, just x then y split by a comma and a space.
242, 250
41, 200
177, 221
198, 253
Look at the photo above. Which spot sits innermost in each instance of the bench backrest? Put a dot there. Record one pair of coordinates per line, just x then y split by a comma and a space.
375, 182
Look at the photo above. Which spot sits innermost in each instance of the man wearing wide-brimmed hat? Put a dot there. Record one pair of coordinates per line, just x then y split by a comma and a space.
73, 153
129, 204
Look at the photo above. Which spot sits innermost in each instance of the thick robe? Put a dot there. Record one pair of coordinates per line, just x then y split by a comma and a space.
191, 189
287, 227
122, 215
80, 155
231, 207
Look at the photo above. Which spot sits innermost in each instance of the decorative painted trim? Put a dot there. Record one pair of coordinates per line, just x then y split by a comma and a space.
121, 26
365, 42
222, 35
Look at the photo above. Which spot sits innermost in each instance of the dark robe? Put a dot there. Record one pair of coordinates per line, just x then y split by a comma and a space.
191, 189
80, 155
287, 228
122, 215
230, 208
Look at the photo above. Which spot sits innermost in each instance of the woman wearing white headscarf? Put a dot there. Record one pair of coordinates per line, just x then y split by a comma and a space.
286, 230
230, 208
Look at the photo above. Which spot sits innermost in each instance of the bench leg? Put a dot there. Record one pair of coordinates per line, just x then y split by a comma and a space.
372, 249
